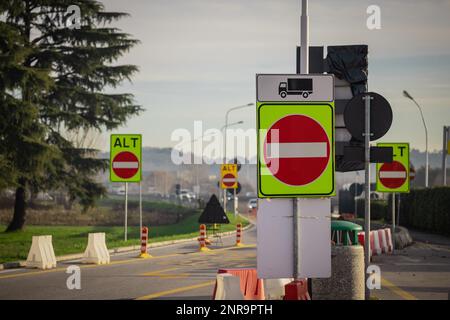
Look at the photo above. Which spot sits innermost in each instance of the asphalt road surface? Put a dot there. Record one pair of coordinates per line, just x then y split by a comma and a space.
175, 272
418, 272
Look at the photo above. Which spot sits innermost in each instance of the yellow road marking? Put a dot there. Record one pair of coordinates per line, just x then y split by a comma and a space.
134, 260
398, 291
176, 290
162, 274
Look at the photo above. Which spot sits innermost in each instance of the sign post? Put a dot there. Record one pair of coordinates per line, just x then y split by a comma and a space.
394, 176
367, 137
126, 166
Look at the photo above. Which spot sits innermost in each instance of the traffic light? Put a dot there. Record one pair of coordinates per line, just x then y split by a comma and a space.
177, 189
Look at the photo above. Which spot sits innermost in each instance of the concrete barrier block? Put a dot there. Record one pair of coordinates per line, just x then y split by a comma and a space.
41, 254
274, 288
96, 251
347, 276
228, 287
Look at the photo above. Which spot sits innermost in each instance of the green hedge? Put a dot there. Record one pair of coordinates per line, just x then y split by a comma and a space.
427, 210
378, 209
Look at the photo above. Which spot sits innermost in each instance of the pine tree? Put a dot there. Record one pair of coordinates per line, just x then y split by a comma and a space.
59, 77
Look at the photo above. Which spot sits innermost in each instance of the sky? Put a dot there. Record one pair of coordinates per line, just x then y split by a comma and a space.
198, 58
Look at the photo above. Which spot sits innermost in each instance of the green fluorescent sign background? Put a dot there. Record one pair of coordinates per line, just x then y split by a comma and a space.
267, 115
124, 142
403, 159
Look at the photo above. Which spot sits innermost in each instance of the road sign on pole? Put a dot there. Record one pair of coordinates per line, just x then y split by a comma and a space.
125, 158
296, 139
229, 176
394, 176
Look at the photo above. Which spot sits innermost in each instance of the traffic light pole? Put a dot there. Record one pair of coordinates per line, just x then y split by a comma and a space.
393, 222
367, 134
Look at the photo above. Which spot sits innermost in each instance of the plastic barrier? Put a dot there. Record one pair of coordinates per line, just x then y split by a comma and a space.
41, 254
274, 288
238, 235
96, 251
297, 290
202, 238
375, 247
387, 231
251, 287
144, 239
383, 240
228, 287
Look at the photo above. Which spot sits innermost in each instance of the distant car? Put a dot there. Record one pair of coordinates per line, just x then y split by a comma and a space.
252, 204
185, 194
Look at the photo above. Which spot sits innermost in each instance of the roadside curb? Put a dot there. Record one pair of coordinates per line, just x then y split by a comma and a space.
75, 256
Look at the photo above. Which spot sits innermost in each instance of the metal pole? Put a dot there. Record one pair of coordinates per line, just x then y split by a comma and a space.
444, 155
367, 188
140, 206
426, 142
126, 210
393, 221
304, 69
354, 198
304, 40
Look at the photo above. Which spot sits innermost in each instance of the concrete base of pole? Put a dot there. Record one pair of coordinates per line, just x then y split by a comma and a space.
347, 276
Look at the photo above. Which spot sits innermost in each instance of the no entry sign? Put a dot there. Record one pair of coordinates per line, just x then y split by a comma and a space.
394, 176
229, 176
125, 156
295, 148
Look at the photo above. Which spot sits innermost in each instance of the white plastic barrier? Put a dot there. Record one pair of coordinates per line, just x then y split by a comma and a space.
41, 254
389, 239
274, 288
383, 241
228, 287
96, 251
376, 250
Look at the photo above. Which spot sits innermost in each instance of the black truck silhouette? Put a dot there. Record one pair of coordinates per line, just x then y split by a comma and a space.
302, 87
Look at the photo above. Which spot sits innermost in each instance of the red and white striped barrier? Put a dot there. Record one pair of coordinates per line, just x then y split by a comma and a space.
387, 231
238, 235
144, 242
202, 238
380, 241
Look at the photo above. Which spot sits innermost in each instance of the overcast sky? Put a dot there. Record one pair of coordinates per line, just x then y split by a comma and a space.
197, 58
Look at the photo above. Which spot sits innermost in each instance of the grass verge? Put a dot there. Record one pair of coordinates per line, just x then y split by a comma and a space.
14, 246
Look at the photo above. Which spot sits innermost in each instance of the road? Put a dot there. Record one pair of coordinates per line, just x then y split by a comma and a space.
421, 271
175, 272
418, 272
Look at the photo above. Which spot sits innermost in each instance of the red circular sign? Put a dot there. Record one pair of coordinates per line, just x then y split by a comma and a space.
392, 175
229, 180
125, 165
296, 150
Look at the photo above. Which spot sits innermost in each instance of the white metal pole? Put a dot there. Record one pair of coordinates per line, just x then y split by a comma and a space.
126, 210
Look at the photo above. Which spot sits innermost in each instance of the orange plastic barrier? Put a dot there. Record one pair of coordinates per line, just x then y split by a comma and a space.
251, 287
202, 238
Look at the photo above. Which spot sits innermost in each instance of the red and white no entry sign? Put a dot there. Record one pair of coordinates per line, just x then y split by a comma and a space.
229, 180
125, 165
393, 174
297, 150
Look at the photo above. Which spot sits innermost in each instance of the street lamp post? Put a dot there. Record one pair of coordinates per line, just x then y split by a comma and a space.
407, 95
